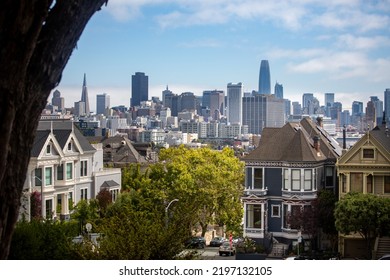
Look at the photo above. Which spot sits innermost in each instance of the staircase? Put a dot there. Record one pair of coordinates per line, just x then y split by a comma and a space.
382, 246
278, 250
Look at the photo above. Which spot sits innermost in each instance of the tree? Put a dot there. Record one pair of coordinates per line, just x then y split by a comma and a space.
37, 38
365, 214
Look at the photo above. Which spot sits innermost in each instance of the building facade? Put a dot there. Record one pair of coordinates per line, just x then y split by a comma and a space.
282, 178
65, 168
364, 168
139, 88
234, 103
264, 78
102, 103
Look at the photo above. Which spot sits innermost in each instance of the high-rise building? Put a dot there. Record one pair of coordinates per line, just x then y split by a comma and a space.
165, 93
278, 91
217, 104
357, 108
387, 105
262, 110
139, 88
102, 103
188, 102
297, 108
234, 103
370, 115
264, 78
57, 100
307, 103
378, 104
329, 100
84, 96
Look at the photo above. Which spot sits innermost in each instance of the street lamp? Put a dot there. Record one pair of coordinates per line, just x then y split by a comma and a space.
166, 211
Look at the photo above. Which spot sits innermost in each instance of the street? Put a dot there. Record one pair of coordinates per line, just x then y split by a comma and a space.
211, 253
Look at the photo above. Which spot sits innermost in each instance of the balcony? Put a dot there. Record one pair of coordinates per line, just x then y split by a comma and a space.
257, 192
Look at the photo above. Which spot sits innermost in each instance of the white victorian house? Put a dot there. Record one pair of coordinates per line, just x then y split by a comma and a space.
65, 168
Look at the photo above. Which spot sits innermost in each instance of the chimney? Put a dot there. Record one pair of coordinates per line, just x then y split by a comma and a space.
316, 140
344, 137
319, 121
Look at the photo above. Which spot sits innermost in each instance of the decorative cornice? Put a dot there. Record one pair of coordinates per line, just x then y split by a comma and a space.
289, 164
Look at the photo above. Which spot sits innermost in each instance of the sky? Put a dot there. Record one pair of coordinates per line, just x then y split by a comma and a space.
313, 46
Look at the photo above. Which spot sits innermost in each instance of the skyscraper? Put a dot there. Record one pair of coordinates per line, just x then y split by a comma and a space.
278, 91
329, 100
234, 103
57, 100
139, 88
387, 105
217, 101
84, 96
378, 104
307, 103
102, 103
264, 78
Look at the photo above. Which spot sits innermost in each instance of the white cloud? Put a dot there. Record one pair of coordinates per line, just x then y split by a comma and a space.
362, 43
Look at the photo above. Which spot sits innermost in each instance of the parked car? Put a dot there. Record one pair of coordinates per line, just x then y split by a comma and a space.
217, 241
196, 242
385, 257
227, 248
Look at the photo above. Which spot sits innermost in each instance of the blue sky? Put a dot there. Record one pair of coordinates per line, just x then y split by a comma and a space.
340, 46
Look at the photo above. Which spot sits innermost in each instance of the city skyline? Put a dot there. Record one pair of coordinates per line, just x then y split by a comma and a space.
340, 47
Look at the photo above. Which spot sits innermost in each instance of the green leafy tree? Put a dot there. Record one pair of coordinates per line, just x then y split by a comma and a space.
137, 228
365, 214
48, 240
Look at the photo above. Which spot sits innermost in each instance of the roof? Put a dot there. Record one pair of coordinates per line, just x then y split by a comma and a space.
62, 130
119, 149
294, 143
382, 135
109, 184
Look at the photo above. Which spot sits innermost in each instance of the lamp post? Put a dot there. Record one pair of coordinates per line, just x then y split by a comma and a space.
166, 211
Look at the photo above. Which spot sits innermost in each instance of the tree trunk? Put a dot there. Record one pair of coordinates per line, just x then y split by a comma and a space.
37, 38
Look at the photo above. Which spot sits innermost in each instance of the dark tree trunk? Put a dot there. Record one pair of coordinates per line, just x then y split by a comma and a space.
37, 38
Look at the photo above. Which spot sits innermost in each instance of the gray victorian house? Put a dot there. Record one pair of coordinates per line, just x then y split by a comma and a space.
283, 176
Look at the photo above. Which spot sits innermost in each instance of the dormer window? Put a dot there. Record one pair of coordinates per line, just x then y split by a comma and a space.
48, 149
368, 154
69, 146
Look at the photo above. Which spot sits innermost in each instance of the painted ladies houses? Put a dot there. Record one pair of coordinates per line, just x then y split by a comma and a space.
65, 168
282, 177
365, 168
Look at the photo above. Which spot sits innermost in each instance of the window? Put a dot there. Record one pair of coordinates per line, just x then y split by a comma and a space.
38, 177
275, 211
286, 179
328, 176
60, 172
48, 176
368, 153
59, 203
343, 183
83, 168
253, 216
48, 149
356, 182
84, 194
387, 184
49, 208
308, 178
69, 171
69, 146
369, 184
295, 217
296, 179
70, 201
114, 195
258, 180
285, 216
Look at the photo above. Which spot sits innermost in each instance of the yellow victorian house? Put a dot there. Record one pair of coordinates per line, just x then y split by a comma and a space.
365, 168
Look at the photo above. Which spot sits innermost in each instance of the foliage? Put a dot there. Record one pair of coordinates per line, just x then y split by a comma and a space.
36, 205
136, 228
86, 211
43, 240
365, 214
104, 199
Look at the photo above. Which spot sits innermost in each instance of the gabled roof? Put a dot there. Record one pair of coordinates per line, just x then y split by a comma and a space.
109, 184
119, 149
62, 130
382, 135
293, 143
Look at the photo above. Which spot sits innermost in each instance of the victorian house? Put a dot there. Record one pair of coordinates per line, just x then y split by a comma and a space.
365, 168
65, 168
282, 178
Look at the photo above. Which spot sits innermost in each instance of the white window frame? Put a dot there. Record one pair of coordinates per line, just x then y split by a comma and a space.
51, 176
278, 211
84, 194
298, 179
71, 170
83, 168
308, 179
